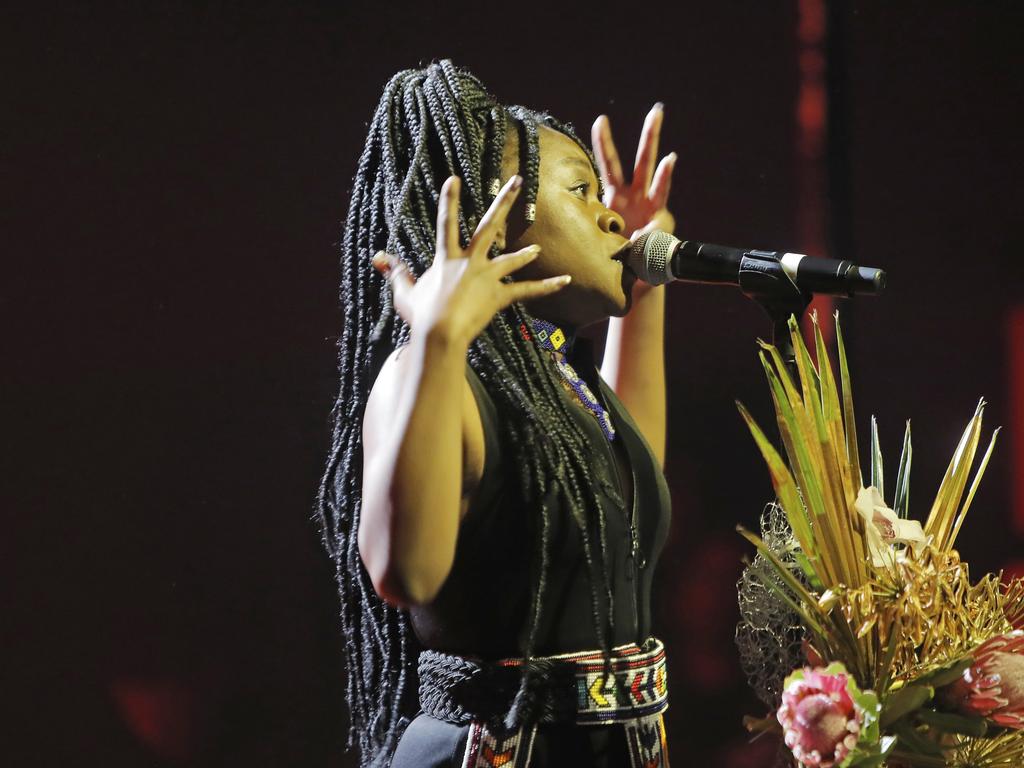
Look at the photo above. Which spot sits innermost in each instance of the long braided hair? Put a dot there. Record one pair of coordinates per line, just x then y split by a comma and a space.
430, 124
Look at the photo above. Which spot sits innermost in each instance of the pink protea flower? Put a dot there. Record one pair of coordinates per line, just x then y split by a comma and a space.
820, 717
993, 686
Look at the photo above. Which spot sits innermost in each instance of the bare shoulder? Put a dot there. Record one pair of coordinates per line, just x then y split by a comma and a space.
380, 403
378, 418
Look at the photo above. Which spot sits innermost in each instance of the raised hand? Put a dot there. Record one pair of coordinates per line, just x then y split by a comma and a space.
643, 199
463, 288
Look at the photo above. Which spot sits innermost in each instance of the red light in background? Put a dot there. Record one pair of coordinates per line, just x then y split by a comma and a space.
1015, 365
811, 173
160, 713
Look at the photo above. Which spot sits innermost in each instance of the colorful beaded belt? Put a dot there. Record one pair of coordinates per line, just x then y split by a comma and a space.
631, 691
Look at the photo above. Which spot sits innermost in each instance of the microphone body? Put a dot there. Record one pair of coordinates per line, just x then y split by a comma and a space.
658, 257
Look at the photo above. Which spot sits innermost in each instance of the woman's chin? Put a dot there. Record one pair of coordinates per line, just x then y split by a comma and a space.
629, 281
624, 305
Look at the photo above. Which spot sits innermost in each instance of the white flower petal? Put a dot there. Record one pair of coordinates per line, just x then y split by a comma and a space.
883, 527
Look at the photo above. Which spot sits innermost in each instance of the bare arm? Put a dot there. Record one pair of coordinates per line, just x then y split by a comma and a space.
634, 358
634, 364
421, 428
413, 472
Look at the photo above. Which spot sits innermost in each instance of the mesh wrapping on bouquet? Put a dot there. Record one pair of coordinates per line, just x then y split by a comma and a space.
769, 635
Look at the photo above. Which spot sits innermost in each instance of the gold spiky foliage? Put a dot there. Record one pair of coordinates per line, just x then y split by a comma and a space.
1003, 751
903, 624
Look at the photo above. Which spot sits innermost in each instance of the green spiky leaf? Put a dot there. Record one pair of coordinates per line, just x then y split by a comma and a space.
877, 478
901, 504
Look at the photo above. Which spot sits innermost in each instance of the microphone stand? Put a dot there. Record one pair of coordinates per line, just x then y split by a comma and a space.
762, 278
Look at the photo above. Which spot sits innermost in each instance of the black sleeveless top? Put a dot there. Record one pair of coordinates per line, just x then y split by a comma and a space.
481, 611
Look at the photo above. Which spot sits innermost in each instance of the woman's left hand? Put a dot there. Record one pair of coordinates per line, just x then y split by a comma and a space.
642, 202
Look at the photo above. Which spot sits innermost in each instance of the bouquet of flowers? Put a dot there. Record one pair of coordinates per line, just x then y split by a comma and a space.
860, 627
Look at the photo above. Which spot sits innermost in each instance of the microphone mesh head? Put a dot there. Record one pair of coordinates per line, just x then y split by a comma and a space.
649, 257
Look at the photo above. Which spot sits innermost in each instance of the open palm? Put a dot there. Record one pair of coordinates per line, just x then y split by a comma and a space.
642, 201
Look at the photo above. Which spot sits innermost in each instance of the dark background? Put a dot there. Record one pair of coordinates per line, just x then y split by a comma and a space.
174, 178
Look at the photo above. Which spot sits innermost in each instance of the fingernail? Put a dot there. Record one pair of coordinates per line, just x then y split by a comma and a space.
660, 106
517, 182
564, 279
674, 158
379, 258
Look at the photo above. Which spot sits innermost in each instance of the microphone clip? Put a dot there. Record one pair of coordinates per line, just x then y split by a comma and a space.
764, 280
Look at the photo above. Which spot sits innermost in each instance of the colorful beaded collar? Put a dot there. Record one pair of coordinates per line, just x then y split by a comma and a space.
553, 339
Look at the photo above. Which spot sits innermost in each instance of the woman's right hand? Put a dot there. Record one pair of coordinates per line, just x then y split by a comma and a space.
463, 289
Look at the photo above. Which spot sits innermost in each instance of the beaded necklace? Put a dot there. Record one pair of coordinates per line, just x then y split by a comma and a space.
553, 339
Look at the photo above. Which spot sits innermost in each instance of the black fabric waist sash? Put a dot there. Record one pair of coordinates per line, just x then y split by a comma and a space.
505, 701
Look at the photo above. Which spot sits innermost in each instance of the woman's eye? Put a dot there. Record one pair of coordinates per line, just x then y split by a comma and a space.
583, 188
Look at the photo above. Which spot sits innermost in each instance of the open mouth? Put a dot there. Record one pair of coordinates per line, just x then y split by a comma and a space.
622, 254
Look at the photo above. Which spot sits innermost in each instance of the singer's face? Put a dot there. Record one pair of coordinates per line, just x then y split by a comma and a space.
578, 236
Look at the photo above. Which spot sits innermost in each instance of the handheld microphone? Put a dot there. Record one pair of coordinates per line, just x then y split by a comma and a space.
658, 257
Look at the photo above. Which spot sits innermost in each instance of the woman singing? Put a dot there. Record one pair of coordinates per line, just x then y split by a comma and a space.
494, 505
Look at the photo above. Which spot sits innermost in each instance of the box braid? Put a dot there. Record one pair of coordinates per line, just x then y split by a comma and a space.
430, 124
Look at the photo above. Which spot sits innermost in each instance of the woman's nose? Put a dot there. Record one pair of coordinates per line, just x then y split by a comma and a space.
610, 221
